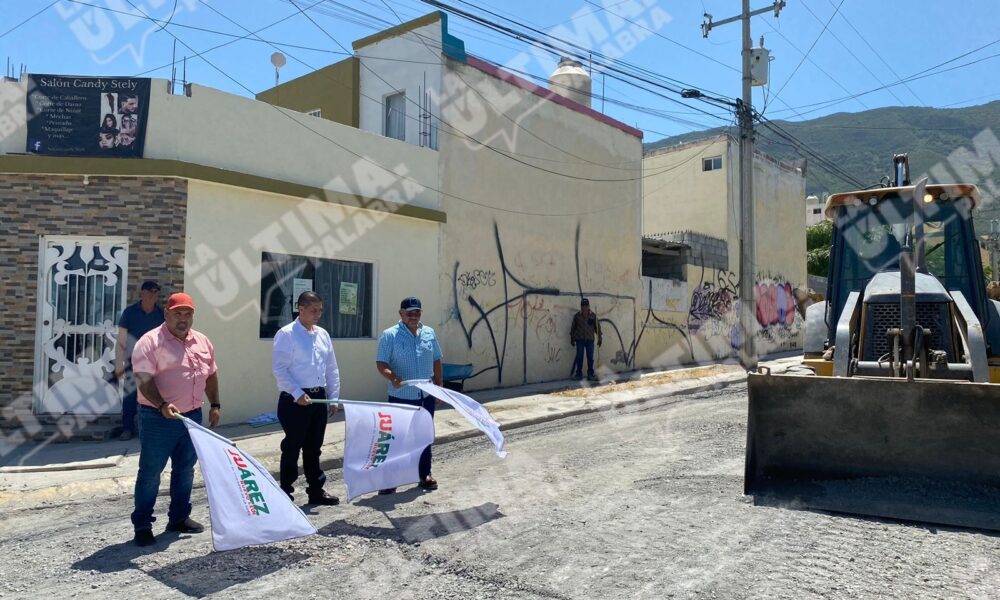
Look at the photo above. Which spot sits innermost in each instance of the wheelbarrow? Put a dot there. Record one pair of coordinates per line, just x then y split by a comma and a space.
454, 376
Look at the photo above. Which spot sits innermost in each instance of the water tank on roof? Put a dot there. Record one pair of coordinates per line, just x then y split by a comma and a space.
571, 80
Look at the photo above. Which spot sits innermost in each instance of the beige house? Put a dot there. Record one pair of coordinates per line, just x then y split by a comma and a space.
497, 202
814, 210
239, 203
691, 202
542, 195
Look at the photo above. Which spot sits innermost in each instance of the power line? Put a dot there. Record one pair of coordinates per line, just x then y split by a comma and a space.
15, 27
206, 51
660, 35
609, 63
591, 94
483, 144
618, 73
825, 163
849, 51
361, 157
447, 131
806, 55
876, 53
823, 104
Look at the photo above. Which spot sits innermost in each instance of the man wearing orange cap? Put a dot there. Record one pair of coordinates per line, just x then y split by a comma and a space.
174, 366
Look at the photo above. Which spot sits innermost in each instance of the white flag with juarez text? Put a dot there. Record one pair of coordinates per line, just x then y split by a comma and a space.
246, 504
475, 412
382, 445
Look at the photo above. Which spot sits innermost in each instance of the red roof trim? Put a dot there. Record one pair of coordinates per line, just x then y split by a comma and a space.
524, 84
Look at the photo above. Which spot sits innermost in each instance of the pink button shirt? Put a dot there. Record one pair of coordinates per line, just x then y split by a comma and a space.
179, 368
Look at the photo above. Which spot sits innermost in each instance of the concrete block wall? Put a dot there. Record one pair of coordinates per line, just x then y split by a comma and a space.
149, 211
705, 250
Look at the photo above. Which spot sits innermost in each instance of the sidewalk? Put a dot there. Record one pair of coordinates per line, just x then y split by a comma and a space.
77, 471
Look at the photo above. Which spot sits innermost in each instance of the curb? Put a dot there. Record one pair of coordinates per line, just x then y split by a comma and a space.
122, 486
97, 463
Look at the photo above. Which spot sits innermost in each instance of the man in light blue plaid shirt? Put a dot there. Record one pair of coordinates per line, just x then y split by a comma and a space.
410, 350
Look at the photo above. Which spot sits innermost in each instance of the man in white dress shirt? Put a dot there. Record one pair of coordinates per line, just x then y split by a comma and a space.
305, 367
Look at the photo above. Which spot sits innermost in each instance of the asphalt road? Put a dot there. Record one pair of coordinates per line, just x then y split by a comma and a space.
646, 503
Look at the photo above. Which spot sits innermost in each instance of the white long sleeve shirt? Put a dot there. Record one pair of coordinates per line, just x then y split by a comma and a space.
304, 359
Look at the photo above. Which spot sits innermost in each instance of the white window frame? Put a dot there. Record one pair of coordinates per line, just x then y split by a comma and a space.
713, 163
385, 115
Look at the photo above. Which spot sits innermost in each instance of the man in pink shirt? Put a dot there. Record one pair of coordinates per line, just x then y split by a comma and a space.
174, 366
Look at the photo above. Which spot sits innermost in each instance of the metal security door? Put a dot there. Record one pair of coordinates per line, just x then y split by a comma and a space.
82, 291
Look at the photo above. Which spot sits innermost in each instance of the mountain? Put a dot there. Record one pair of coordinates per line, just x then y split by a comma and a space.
862, 144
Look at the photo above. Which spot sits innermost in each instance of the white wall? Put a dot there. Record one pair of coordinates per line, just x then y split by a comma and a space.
396, 65
813, 204
222, 130
521, 242
228, 228
678, 195
13, 127
218, 129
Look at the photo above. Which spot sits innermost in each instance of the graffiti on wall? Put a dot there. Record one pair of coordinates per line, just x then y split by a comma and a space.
478, 278
775, 304
528, 310
780, 308
710, 329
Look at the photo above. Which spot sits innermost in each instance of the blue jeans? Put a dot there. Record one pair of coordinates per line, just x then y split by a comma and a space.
130, 401
428, 402
582, 345
162, 438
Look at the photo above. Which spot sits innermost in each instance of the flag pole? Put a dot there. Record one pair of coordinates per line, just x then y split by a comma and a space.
207, 430
360, 403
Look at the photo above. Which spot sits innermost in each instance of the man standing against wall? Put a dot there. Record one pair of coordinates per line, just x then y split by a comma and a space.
137, 319
305, 368
175, 368
410, 350
585, 328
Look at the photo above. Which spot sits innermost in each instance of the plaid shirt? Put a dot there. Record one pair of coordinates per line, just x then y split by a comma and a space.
409, 356
585, 328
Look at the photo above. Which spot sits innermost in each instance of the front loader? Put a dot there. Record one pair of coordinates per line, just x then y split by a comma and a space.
896, 412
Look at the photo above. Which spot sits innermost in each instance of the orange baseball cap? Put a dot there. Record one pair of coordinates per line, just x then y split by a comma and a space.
180, 300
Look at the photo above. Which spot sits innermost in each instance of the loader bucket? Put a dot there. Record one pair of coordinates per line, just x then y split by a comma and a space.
926, 451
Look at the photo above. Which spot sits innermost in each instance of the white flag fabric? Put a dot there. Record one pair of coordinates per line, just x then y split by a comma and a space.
246, 504
475, 412
382, 445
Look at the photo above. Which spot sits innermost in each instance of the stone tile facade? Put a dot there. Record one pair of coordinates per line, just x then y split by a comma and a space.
149, 211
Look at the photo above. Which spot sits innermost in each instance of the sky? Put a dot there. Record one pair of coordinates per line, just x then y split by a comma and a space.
822, 50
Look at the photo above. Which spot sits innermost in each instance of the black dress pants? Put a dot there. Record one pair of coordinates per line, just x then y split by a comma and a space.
304, 427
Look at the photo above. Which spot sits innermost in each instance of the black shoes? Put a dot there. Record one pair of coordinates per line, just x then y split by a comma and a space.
188, 525
323, 499
428, 483
144, 537
387, 491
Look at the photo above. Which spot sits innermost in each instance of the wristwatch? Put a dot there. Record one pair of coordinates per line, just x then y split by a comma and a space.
215, 405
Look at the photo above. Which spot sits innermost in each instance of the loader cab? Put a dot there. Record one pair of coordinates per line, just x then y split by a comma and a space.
870, 229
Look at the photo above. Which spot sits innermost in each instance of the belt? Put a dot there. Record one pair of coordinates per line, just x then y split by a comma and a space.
314, 389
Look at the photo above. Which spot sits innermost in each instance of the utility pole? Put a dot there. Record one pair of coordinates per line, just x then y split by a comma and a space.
744, 110
993, 247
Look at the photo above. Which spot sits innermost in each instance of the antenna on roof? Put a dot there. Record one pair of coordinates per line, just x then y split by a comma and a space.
278, 60
173, 67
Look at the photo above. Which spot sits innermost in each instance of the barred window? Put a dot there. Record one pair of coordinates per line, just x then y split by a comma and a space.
345, 287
